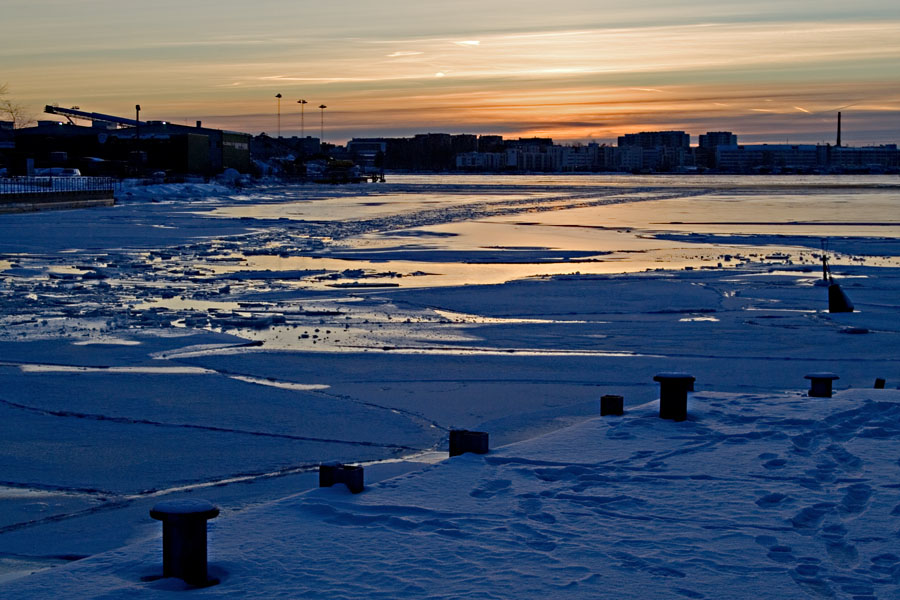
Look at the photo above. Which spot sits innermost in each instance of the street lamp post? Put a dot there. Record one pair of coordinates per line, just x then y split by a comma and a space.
137, 124
322, 107
301, 102
278, 100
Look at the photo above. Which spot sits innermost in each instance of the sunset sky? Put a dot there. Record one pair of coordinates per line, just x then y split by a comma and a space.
574, 70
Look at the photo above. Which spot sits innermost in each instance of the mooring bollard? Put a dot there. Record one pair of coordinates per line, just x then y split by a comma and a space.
820, 386
838, 302
462, 441
611, 404
184, 538
879, 383
673, 389
351, 476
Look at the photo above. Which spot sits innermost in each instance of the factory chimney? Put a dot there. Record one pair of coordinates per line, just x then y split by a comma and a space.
839, 131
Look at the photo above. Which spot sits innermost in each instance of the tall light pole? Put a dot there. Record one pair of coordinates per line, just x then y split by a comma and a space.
278, 100
322, 107
137, 124
301, 102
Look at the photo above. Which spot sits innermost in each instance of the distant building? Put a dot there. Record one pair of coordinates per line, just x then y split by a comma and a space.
368, 153
534, 143
865, 159
768, 158
705, 153
225, 149
105, 149
482, 161
490, 143
711, 139
428, 151
656, 139
652, 151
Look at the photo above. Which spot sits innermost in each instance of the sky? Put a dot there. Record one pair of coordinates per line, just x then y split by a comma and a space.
573, 70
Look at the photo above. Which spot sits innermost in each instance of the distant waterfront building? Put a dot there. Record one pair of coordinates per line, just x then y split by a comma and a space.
711, 139
529, 159
865, 159
224, 149
656, 139
532, 143
768, 158
653, 151
490, 143
115, 146
705, 152
481, 161
368, 153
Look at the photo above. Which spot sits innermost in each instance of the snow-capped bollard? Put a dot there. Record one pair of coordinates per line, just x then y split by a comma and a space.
351, 476
184, 538
820, 386
879, 383
611, 404
673, 389
462, 441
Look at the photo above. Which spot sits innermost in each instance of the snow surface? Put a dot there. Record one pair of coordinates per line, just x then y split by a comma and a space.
755, 496
190, 342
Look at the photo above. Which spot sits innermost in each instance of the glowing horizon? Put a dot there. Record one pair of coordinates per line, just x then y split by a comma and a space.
590, 71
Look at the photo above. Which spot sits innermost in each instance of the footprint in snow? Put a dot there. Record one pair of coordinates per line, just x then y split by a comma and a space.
771, 500
534, 538
805, 442
842, 457
529, 504
824, 472
810, 583
885, 564
860, 589
811, 516
781, 554
491, 488
531, 507
688, 593
856, 499
842, 553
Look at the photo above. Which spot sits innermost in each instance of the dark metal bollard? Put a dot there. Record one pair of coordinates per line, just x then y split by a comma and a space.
611, 404
673, 389
351, 476
879, 383
184, 538
838, 302
462, 441
820, 386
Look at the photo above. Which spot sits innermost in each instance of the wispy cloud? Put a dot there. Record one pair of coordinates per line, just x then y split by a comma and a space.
594, 80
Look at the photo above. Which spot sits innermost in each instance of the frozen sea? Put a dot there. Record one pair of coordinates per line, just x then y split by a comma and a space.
222, 343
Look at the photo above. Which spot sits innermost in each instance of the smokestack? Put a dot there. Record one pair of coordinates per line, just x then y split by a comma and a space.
839, 131
200, 123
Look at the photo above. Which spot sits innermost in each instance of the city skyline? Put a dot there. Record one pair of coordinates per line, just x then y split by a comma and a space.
581, 71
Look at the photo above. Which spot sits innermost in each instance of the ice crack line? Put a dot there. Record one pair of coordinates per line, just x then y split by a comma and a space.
413, 416
344, 229
131, 421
